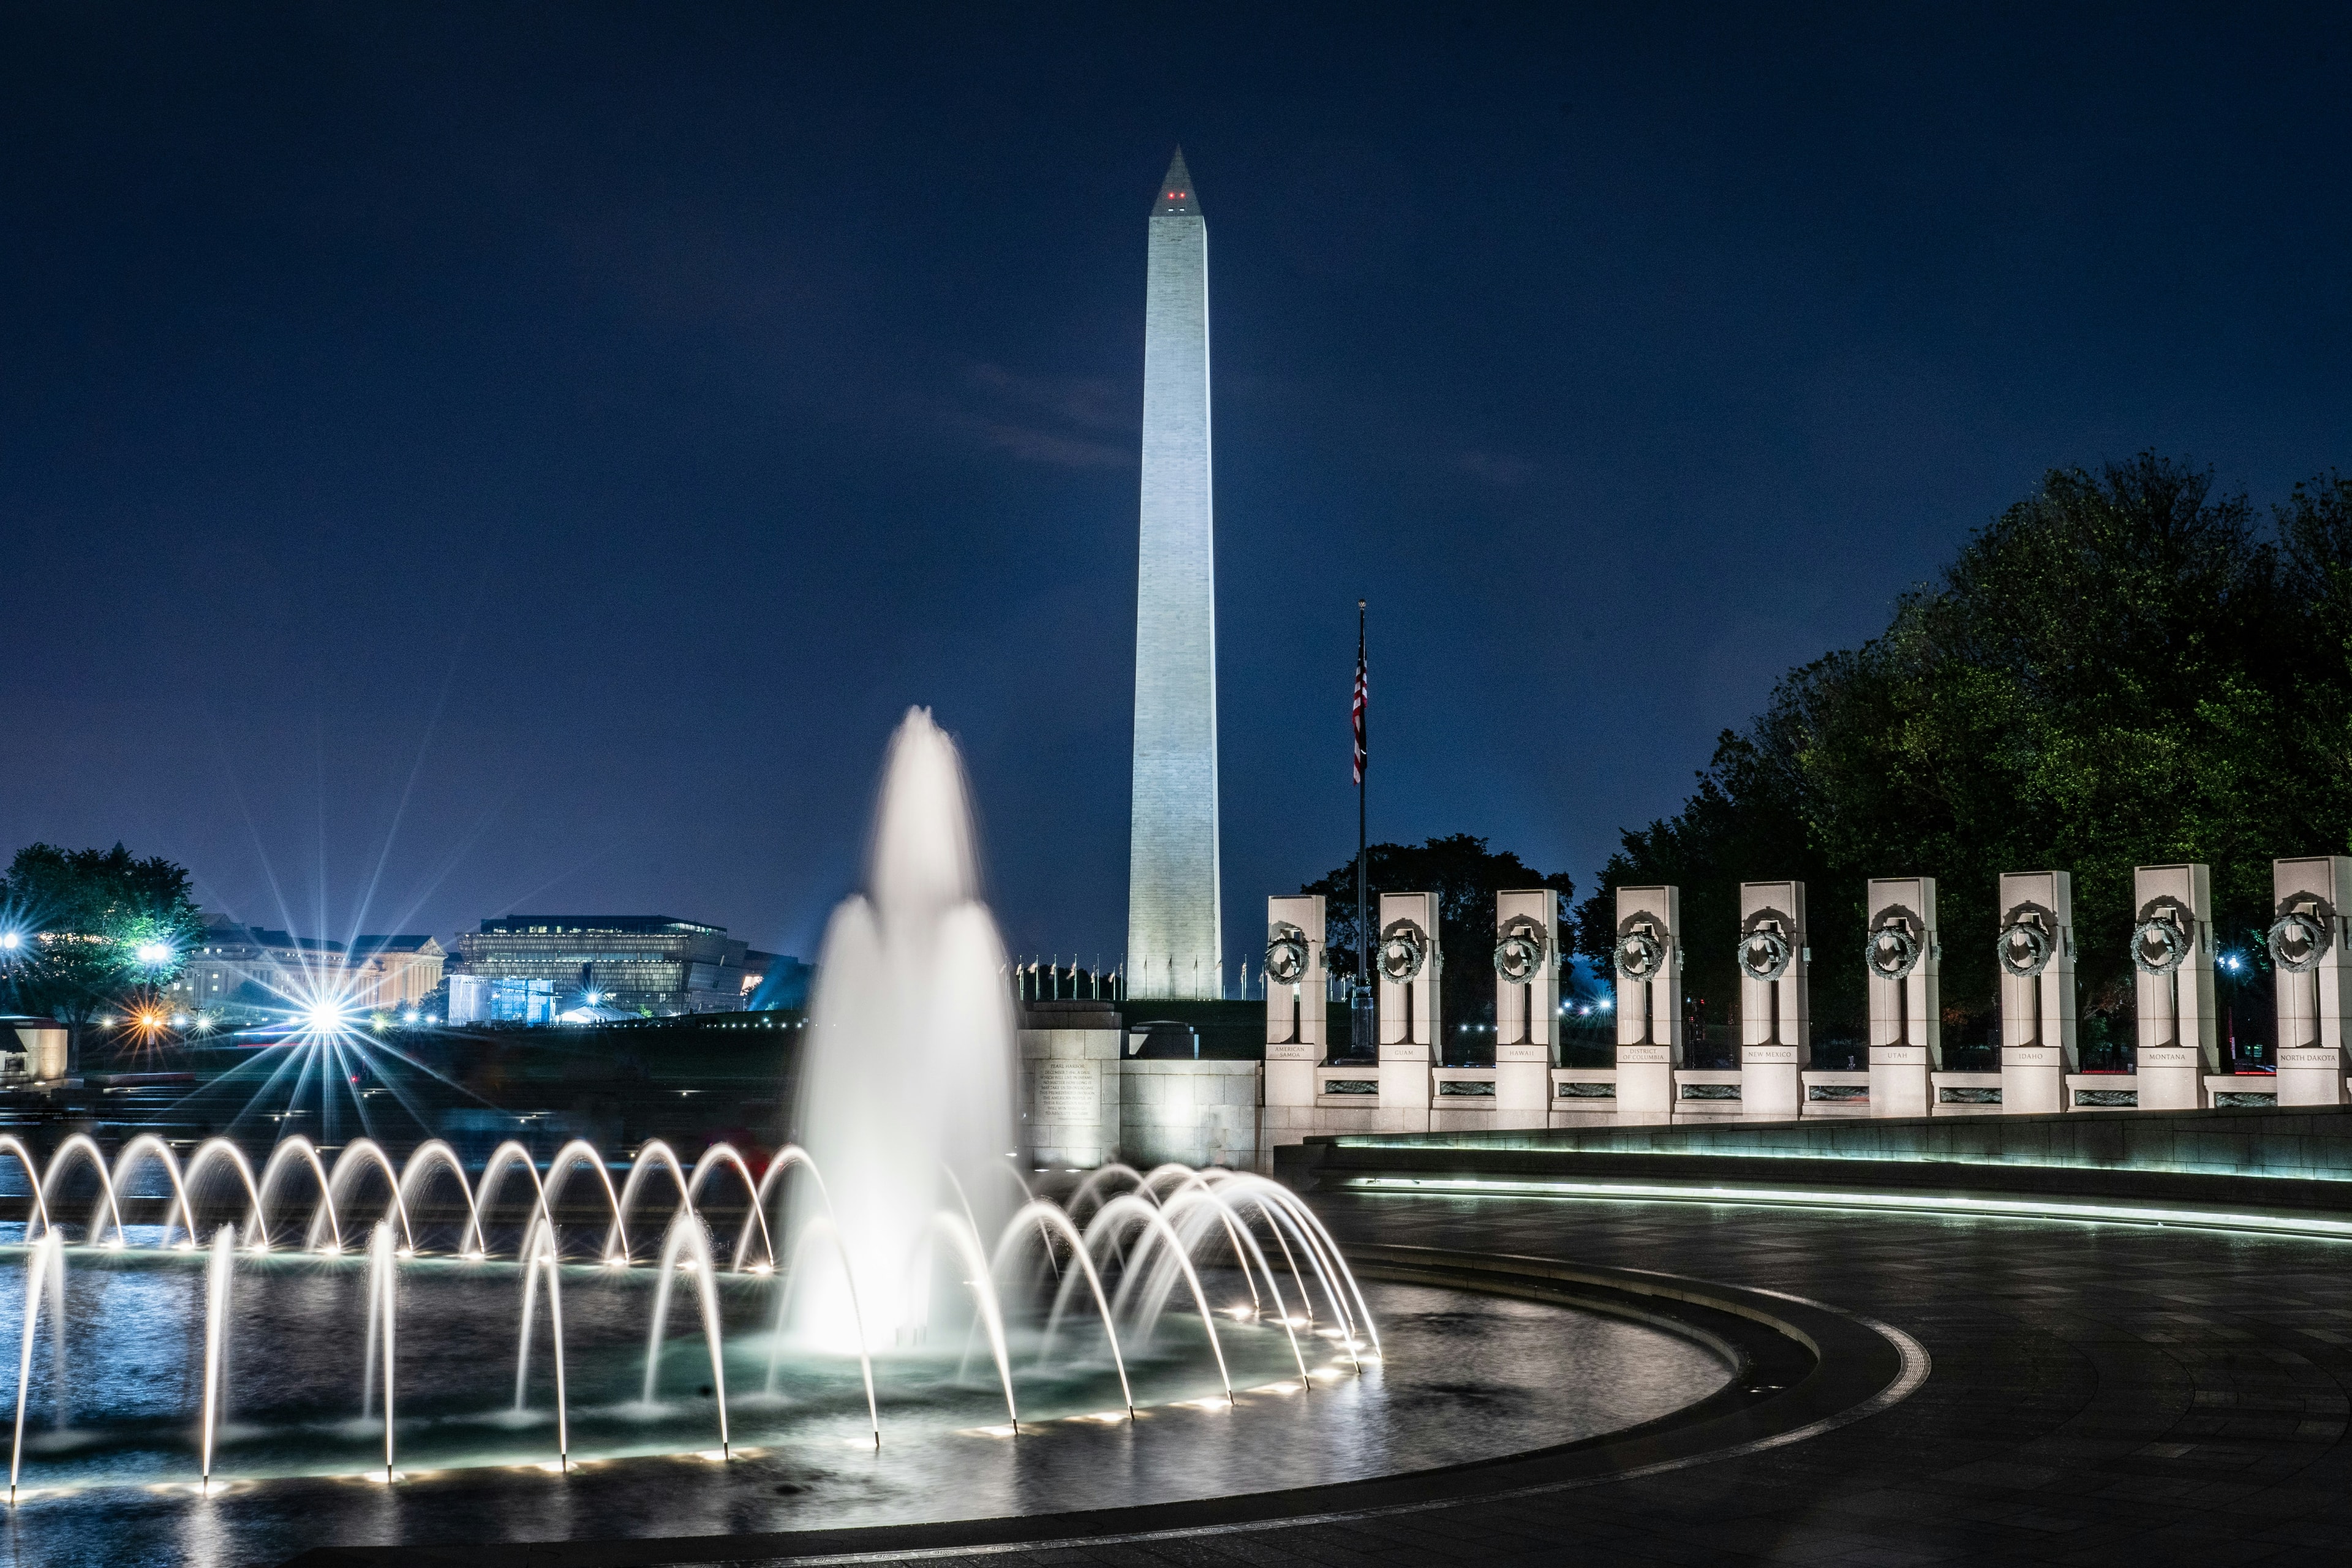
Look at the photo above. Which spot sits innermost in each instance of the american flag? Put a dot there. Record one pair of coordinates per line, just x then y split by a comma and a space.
1363, 697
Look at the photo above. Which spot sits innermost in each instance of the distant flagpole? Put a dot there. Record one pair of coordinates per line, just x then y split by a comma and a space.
1363, 872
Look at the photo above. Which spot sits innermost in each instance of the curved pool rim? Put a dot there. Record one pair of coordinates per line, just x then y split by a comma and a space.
1802, 1368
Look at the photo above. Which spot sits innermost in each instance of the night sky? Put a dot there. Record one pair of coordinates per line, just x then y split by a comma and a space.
466, 461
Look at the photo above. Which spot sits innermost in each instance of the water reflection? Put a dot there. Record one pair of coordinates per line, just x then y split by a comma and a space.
123, 1405
1464, 1377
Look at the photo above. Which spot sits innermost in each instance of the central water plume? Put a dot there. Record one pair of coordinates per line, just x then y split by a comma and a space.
910, 1072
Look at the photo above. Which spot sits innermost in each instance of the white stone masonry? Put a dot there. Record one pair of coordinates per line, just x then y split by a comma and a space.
1527, 1005
1174, 931
1776, 1040
1905, 963
1649, 964
2035, 954
2172, 965
2311, 972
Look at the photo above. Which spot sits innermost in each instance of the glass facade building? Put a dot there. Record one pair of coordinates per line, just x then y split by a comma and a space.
474, 1000
635, 963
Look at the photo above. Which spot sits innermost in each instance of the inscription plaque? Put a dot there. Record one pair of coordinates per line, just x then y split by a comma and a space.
1066, 1094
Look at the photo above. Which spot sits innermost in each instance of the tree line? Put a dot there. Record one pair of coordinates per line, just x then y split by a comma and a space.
87, 934
2124, 669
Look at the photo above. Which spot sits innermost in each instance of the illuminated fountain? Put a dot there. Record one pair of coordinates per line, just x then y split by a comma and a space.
1072, 1299
357, 1316
909, 1100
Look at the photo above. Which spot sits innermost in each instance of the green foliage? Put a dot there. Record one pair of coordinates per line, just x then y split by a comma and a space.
2121, 670
86, 913
1466, 876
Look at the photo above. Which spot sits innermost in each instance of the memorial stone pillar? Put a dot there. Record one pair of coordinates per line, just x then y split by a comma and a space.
2036, 950
42, 1042
1649, 961
2311, 970
1775, 1013
1905, 961
1410, 966
1527, 1005
1296, 991
2172, 959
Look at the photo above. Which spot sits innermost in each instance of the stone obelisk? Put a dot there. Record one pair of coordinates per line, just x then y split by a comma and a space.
1174, 935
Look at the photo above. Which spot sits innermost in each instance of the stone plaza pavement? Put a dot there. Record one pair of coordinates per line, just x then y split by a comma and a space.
2100, 1394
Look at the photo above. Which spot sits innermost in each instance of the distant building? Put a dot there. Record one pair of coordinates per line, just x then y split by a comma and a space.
477, 999
240, 971
635, 963
411, 967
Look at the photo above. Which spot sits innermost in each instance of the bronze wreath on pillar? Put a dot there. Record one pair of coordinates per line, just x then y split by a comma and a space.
2160, 943
1404, 947
1286, 955
1640, 955
2026, 944
1764, 950
1892, 951
1519, 956
2299, 938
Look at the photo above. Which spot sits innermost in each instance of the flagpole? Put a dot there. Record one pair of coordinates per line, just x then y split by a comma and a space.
1364, 1023
1363, 872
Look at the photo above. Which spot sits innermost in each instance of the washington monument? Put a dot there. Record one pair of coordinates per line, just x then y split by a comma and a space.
1173, 931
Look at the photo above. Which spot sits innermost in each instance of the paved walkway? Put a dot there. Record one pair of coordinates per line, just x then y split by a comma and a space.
2101, 1394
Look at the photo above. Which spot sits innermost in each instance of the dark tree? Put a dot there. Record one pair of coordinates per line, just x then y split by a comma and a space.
97, 929
2124, 669
1466, 876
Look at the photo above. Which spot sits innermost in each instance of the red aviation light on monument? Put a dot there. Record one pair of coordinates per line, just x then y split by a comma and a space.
1176, 199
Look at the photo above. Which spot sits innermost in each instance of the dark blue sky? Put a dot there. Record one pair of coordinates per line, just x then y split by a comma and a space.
474, 459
